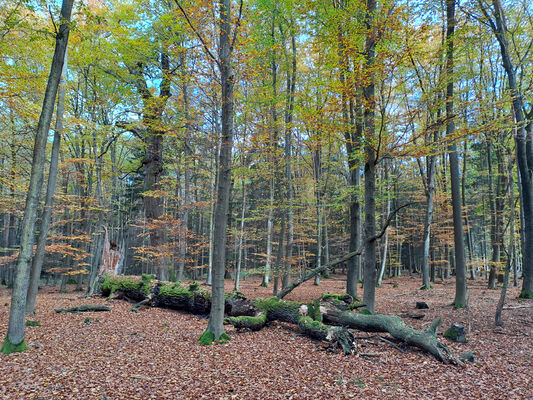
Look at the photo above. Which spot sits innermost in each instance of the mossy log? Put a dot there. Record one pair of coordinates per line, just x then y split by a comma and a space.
89, 308
325, 319
396, 327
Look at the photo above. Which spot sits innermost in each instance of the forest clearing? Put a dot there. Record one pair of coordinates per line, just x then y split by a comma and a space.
154, 354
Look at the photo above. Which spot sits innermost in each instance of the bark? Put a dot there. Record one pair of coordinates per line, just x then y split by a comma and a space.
241, 237
89, 308
16, 329
369, 278
352, 134
460, 265
291, 87
216, 317
524, 151
396, 327
46, 217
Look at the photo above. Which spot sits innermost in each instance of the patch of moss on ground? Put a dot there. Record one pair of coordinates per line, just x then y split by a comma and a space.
526, 295
458, 305
33, 323
364, 311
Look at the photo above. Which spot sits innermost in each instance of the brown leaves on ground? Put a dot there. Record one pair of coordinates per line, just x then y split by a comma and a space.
154, 354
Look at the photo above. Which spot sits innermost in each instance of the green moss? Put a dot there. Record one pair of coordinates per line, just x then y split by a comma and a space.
234, 294
113, 283
174, 290
526, 295
275, 309
313, 311
194, 286
345, 298
207, 338
8, 347
312, 328
263, 284
364, 311
451, 334
458, 305
223, 338
33, 323
87, 321
247, 322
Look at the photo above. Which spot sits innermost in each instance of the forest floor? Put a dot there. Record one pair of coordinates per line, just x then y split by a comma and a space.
154, 354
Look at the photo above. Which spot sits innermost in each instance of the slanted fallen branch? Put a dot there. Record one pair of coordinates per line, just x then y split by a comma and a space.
89, 308
311, 274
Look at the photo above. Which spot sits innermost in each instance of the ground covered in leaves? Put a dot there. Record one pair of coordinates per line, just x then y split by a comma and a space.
154, 354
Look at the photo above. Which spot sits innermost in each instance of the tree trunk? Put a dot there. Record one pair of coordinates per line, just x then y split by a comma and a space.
216, 317
46, 218
369, 279
460, 266
15, 335
241, 237
524, 151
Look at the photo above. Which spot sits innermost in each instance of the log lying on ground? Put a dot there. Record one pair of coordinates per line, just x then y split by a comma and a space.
324, 319
396, 327
88, 308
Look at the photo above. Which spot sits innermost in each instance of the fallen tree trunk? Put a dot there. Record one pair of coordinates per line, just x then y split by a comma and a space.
396, 327
325, 319
88, 308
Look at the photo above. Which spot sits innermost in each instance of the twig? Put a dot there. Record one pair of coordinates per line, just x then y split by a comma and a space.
392, 344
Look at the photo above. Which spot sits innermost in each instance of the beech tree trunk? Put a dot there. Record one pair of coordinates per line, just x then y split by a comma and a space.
216, 317
46, 218
15, 335
460, 265
369, 279
524, 147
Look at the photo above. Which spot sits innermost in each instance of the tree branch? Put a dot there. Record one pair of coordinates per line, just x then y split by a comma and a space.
204, 44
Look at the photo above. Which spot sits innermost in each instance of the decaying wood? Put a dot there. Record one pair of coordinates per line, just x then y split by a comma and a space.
88, 308
396, 327
327, 319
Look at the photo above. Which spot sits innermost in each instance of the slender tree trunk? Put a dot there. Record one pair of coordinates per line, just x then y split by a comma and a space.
241, 237
46, 218
426, 278
291, 87
15, 335
524, 147
460, 265
216, 316
386, 239
369, 279
268, 264
352, 135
